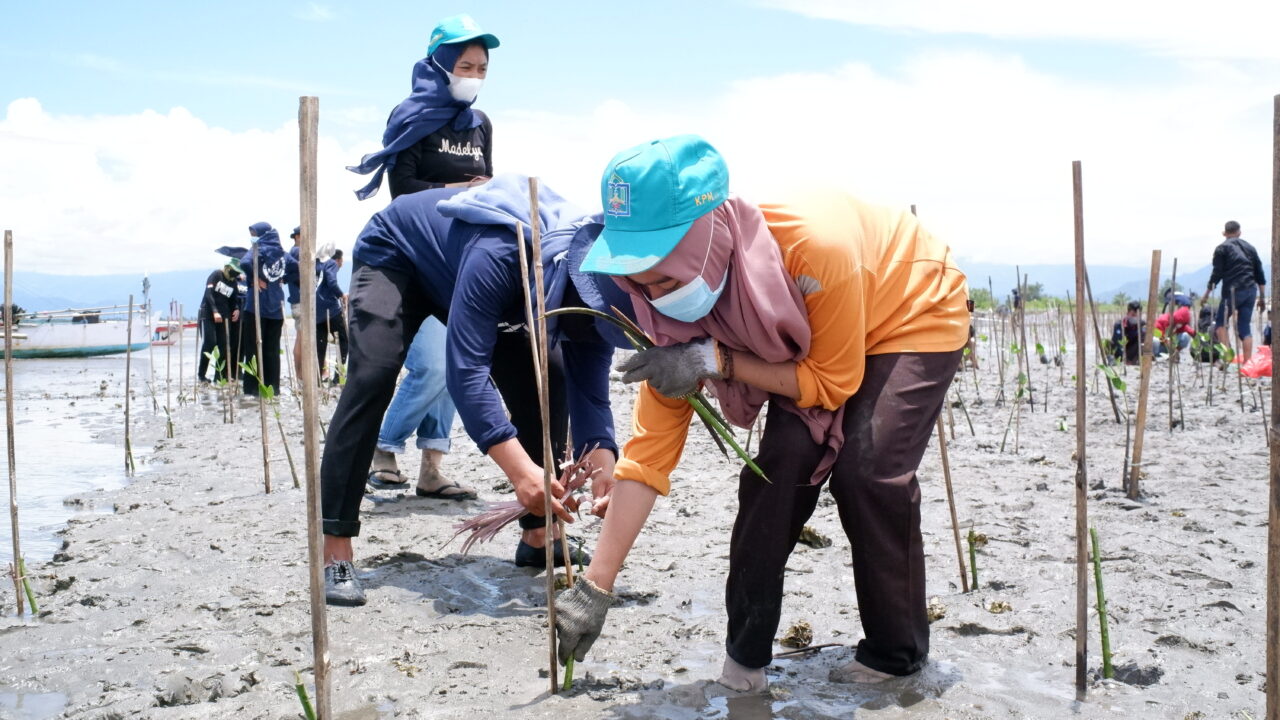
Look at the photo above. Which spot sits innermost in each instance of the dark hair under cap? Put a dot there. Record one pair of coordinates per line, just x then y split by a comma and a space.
446, 56
1135, 305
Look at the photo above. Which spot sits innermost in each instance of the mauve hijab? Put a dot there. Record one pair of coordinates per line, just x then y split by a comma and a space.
760, 311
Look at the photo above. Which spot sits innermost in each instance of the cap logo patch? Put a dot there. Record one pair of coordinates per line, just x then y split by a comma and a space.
704, 198
619, 204
436, 38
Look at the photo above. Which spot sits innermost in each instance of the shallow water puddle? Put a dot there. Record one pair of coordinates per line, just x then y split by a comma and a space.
31, 706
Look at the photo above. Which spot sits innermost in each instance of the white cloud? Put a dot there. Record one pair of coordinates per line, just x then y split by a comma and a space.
1227, 29
983, 143
152, 191
315, 12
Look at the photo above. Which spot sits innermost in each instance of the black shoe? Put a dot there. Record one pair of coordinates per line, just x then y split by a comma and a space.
530, 556
341, 586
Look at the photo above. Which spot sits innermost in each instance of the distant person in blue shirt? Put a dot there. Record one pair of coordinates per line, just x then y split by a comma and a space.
452, 255
1237, 266
267, 304
330, 314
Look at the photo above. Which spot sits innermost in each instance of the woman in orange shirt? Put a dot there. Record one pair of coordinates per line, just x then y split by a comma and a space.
848, 318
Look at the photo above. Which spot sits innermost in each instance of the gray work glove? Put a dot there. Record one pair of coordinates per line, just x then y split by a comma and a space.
675, 370
580, 612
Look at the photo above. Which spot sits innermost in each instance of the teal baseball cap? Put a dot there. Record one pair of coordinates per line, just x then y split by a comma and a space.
651, 194
459, 28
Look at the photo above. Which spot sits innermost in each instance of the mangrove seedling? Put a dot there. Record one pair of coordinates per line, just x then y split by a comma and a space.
1118, 383
710, 417
973, 559
268, 394
26, 586
301, 690
1107, 671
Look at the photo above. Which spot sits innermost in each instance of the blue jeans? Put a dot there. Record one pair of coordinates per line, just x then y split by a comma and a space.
422, 401
1244, 300
1184, 339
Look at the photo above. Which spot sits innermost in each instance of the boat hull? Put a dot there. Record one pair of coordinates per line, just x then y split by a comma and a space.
70, 340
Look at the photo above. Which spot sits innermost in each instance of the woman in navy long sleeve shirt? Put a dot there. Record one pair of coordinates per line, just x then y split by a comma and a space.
453, 255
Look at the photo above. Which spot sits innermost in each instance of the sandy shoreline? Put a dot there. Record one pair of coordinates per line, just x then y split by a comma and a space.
191, 600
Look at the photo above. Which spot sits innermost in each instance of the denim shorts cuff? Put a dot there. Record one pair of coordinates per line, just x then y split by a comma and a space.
441, 444
391, 447
342, 528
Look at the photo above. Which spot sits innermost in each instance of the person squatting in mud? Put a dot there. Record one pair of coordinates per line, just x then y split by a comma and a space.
848, 318
451, 254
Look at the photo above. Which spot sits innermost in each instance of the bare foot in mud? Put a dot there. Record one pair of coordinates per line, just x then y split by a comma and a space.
856, 672
742, 679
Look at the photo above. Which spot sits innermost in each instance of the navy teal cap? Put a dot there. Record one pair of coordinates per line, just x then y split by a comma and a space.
457, 29
652, 194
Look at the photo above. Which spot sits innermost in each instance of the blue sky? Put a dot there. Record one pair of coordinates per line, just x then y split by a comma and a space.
174, 121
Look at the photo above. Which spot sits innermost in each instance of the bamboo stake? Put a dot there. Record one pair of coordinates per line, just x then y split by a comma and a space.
227, 363
548, 464
1097, 336
182, 336
1026, 359
1144, 383
168, 371
946, 476
128, 374
1082, 468
1273, 532
8, 413
537, 368
308, 127
1171, 336
151, 349
951, 503
262, 408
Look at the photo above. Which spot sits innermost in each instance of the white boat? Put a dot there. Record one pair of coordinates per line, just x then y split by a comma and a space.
78, 332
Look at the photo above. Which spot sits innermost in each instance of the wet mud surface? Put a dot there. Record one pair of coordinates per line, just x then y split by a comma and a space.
191, 600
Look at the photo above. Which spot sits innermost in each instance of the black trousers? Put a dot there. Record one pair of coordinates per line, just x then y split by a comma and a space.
269, 368
387, 308
887, 425
337, 324
214, 335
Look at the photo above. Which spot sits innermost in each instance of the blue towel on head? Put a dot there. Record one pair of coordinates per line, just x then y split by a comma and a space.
428, 108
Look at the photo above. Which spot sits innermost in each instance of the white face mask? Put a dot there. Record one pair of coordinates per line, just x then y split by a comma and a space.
464, 89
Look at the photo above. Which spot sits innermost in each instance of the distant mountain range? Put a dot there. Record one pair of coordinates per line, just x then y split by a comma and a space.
1059, 280
39, 291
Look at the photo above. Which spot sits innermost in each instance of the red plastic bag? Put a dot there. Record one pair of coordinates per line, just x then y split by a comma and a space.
1258, 365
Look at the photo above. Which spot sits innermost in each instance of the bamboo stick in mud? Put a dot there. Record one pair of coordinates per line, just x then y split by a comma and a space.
262, 408
182, 336
951, 503
530, 313
549, 457
1022, 332
8, 413
1082, 468
308, 127
168, 370
1171, 335
128, 375
1144, 384
1273, 531
1097, 336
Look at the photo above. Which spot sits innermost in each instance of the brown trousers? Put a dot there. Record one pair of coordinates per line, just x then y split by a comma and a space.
887, 425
